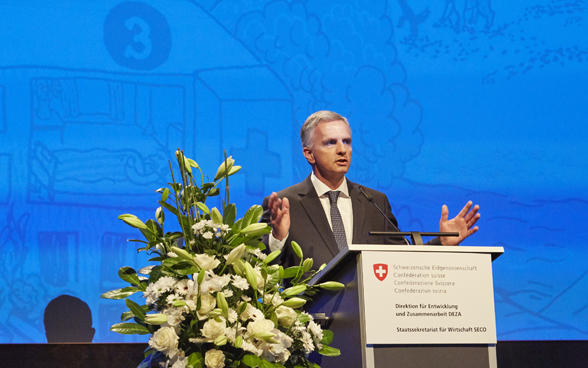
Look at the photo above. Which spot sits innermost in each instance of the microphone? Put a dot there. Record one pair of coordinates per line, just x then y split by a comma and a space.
370, 198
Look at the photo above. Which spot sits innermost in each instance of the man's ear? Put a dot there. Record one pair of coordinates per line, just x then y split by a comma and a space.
309, 155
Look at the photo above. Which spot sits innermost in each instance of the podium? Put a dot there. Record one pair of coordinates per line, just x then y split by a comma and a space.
410, 306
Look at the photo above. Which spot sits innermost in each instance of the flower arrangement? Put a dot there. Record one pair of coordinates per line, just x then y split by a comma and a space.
213, 299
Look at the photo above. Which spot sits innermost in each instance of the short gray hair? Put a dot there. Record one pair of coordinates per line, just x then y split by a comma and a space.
307, 130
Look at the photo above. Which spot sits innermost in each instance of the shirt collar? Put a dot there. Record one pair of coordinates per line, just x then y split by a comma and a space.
322, 189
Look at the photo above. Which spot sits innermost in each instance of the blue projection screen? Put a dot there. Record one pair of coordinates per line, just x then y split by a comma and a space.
449, 101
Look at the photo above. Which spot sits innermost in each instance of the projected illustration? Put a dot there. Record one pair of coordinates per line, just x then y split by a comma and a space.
448, 101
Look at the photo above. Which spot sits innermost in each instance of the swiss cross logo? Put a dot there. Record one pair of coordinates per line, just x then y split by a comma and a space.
381, 271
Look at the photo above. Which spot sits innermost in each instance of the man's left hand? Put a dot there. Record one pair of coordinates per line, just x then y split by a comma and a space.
463, 223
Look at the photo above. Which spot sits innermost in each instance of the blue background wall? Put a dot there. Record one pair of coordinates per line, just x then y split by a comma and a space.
448, 101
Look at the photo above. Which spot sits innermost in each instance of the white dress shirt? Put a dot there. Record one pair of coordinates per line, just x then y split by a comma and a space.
344, 204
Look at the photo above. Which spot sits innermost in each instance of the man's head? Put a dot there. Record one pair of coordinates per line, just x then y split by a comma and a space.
68, 319
307, 130
326, 142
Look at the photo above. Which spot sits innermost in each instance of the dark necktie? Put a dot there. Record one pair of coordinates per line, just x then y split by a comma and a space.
336, 221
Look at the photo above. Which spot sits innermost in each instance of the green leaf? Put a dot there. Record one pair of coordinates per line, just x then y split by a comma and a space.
252, 216
169, 207
126, 316
184, 268
329, 351
148, 234
195, 361
175, 186
251, 360
327, 337
120, 293
129, 275
136, 309
175, 235
229, 214
266, 364
154, 227
237, 226
172, 261
129, 329
203, 207
274, 318
207, 186
291, 272
156, 274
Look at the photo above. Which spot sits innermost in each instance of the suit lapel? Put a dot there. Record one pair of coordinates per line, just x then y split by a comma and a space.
358, 203
310, 201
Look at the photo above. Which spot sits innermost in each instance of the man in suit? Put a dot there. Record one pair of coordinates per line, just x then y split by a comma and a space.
326, 211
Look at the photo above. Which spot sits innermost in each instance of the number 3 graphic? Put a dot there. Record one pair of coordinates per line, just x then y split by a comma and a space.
141, 37
137, 36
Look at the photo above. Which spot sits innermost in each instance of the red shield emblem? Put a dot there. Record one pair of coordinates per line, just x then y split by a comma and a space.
381, 271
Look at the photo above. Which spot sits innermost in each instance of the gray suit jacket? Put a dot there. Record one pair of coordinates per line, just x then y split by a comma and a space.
310, 228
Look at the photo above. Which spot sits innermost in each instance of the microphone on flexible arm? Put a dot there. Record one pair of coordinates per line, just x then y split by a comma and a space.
414, 235
370, 198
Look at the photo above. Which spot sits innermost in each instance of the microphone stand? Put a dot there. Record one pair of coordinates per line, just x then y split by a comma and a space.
414, 235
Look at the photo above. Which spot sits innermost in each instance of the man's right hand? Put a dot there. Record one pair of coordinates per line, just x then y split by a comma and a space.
280, 216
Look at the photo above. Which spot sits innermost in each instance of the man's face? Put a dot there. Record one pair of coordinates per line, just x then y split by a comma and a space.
331, 151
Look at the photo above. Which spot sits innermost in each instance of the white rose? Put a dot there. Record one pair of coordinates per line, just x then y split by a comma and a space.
286, 315
165, 340
214, 359
205, 261
213, 329
207, 304
259, 326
